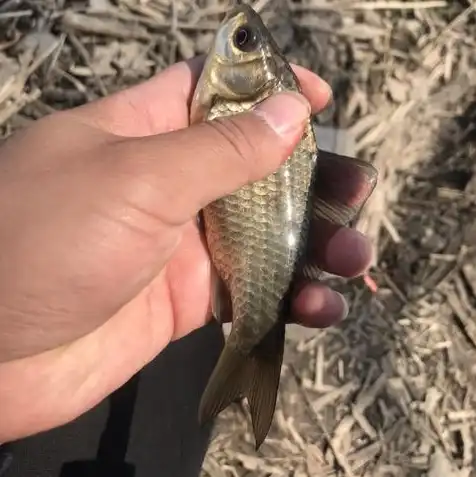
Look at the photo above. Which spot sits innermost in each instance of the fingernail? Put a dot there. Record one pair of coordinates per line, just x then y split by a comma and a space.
284, 112
345, 306
326, 90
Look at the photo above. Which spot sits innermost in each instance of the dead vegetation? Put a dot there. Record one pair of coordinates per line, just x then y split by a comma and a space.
391, 392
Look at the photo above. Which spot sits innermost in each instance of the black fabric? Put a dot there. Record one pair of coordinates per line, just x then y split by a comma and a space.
148, 428
112, 449
6, 459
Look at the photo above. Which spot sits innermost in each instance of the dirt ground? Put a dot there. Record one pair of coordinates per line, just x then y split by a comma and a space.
390, 392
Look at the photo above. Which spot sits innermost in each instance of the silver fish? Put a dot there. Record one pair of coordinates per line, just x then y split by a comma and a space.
257, 237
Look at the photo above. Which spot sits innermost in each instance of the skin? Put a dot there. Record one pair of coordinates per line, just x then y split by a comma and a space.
102, 263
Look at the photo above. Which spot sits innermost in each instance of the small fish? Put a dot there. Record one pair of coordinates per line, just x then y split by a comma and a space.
257, 236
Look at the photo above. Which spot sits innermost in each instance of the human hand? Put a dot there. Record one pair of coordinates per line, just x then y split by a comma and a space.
103, 264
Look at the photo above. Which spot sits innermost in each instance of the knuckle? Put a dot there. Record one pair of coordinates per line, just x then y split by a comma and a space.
238, 142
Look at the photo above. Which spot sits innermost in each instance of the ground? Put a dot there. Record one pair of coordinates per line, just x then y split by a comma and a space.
390, 392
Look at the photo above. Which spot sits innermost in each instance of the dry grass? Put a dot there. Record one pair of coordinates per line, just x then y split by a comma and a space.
391, 392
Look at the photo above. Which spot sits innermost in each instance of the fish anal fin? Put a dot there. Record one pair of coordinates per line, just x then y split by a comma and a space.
254, 376
222, 308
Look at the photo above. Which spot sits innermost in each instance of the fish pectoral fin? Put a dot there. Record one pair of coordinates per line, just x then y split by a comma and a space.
254, 376
221, 299
343, 185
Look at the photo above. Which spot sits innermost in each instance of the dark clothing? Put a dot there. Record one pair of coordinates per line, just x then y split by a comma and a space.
148, 428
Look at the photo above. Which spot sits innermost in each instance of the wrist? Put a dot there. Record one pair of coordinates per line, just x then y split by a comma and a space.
40, 392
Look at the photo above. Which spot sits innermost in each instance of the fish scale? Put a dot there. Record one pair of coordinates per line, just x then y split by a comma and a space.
257, 236
251, 223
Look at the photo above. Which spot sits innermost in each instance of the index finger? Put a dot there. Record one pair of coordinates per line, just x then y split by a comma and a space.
161, 104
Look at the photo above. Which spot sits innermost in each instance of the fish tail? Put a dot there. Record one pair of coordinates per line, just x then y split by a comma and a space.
254, 376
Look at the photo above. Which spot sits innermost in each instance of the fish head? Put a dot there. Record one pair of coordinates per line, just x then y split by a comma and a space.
244, 64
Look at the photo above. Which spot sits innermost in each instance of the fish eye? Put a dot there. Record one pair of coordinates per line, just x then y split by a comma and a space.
245, 38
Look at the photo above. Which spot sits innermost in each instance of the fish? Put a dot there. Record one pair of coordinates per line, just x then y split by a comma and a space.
257, 237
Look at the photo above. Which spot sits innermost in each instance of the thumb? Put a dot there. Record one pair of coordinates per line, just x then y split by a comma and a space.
191, 167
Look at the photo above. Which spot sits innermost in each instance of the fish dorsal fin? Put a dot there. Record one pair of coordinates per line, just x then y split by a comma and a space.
343, 185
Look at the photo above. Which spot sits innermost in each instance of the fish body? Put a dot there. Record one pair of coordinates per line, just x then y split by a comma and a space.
257, 236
